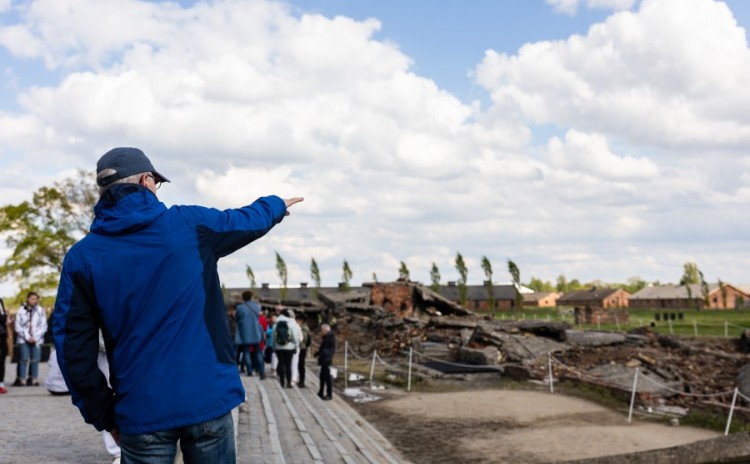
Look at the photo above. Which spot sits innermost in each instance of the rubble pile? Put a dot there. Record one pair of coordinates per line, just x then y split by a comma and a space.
393, 317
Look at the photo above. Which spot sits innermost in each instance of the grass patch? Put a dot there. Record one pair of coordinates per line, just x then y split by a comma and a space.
711, 421
706, 323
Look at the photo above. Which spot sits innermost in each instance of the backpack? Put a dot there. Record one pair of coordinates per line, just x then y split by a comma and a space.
283, 334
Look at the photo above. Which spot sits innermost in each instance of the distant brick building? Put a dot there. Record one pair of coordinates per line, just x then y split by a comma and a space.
478, 296
678, 297
596, 297
540, 299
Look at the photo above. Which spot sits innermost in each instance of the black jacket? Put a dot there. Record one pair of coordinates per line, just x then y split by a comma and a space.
327, 349
3, 319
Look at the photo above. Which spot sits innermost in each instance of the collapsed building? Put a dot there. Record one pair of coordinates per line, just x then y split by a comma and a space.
676, 373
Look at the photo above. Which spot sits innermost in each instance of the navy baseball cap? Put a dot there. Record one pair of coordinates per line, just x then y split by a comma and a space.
126, 162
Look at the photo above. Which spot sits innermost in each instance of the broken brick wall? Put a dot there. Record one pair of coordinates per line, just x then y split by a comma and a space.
395, 298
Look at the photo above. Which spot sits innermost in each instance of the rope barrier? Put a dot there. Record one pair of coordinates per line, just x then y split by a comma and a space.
361, 358
583, 374
694, 395
743, 396
497, 367
739, 326
386, 364
660, 385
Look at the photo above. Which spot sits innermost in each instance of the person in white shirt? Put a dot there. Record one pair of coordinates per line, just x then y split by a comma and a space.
299, 336
285, 343
31, 325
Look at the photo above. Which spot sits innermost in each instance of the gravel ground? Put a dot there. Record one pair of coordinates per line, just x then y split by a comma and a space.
37, 427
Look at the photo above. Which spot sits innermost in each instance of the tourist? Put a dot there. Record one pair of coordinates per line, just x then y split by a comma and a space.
147, 276
268, 355
285, 344
325, 358
30, 327
304, 345
4, 328
250, 334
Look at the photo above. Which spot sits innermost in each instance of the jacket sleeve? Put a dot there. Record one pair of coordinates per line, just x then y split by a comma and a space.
18, 326
42, 326
76, 333
227, 231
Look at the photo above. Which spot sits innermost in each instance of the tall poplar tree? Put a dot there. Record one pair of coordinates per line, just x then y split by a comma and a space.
403, 272
487, 268
281, 269
250, 276
435, 277
515, 275
463, 273
346, 275
315, 273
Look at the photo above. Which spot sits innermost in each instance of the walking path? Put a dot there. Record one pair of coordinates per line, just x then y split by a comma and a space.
285, 426
276, 425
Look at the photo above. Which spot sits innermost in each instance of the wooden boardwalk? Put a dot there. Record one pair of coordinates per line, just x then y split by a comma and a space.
289, 426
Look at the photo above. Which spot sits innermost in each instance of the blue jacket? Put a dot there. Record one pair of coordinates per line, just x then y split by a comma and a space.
249, 330
147, 276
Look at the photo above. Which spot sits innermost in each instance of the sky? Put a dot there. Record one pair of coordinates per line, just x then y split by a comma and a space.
599, 139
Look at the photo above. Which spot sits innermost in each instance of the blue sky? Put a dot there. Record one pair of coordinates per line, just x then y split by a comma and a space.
599, 142
446, 39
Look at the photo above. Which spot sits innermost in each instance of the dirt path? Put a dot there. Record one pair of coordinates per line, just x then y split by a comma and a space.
513, 426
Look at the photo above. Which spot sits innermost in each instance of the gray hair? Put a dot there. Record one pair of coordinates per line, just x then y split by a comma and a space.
325, 328
134, 179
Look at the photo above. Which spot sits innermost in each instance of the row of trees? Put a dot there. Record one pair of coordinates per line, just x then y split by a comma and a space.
403, 274
691, 276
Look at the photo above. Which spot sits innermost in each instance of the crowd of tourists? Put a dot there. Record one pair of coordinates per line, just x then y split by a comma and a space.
280, 339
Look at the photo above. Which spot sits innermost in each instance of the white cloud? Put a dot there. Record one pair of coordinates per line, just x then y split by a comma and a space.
590, 153
234, 100
644, 76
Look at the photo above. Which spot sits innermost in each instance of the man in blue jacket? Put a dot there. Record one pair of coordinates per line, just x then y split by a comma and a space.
250, 334
146, 276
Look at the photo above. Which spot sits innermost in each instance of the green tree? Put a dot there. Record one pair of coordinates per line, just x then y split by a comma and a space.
538, 285
250, 276
515, 275
346, 275
723, 290
41, 231
281, 269
435, 277
634, 284
704, 291
562, 284
691, 274
403, 272
315, 273
487, 268
463, 273
574, 285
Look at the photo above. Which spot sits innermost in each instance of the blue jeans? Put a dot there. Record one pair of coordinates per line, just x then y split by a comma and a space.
253, 360
208, 442
29, 353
